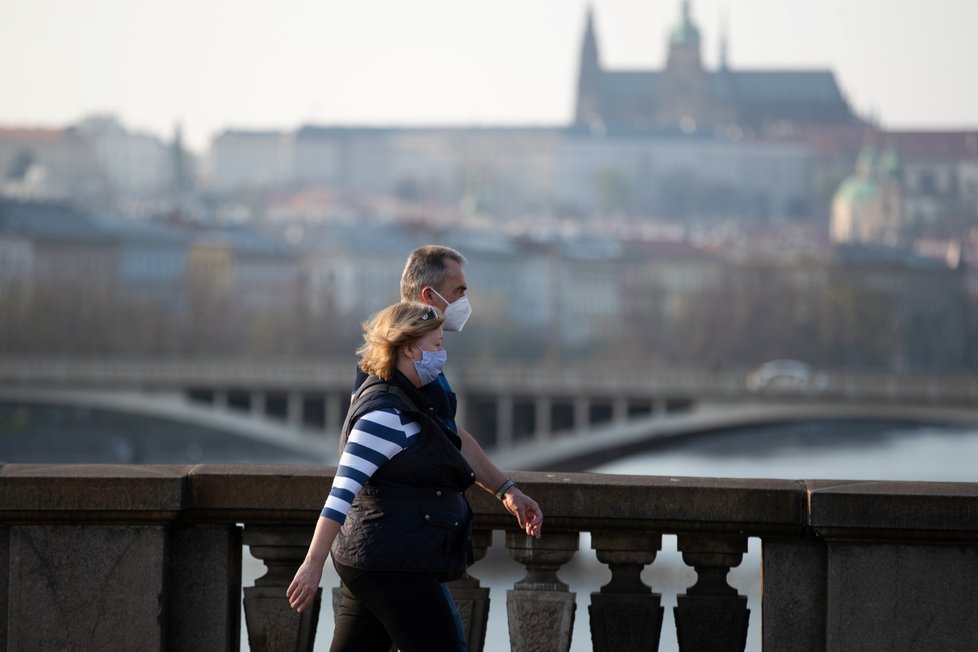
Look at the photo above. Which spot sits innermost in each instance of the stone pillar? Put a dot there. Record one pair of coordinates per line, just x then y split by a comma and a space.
711, 615
902, 595
272, 624
625, 614
86, 587
504, 422
4, 584
257, 404
294, 415
619, 410
539, 607
660, 407
471, 598
204, 597
582, 413
334, 411
542, 408
795, 601
461, 412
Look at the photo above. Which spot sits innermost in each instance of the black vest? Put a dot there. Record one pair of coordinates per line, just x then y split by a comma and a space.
412, 514
439, 393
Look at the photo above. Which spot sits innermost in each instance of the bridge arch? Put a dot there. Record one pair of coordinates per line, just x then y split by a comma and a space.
158, 424
580, 451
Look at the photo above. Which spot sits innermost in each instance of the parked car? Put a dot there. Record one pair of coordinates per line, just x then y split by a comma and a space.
785, 374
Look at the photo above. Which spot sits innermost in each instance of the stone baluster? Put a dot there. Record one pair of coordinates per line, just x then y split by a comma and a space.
272, 624
711, 615
625, 614
471, 598
539, 607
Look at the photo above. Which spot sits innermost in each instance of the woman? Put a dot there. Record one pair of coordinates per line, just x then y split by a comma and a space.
396, 520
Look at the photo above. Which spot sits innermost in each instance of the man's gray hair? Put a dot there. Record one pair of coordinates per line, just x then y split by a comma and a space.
425, 267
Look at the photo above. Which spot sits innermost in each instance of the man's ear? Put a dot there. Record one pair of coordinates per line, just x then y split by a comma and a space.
426, 295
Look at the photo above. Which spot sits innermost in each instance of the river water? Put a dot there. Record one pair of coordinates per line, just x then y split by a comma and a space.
851, 450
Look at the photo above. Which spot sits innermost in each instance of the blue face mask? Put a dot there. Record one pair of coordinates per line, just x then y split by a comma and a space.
430, 365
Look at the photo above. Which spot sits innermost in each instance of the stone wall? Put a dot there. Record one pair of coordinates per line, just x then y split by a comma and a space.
149, 558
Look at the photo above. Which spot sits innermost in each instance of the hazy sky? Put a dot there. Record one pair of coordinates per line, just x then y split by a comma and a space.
214, 64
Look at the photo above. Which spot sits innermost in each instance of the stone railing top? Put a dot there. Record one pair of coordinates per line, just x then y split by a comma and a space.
293, 495
905, 509
597, 501
263, 493
79, 492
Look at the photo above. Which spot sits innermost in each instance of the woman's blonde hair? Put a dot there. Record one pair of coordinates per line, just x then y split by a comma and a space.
391, 328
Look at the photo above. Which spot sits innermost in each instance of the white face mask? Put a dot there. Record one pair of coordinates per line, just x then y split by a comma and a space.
456, 314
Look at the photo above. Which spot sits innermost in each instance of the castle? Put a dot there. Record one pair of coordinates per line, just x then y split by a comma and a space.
686, 97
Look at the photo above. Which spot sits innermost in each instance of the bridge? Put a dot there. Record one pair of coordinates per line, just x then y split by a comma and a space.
565, 417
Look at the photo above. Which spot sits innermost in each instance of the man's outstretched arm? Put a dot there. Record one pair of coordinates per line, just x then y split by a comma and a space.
525, 509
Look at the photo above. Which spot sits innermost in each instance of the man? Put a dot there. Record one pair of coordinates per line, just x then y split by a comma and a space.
433, 275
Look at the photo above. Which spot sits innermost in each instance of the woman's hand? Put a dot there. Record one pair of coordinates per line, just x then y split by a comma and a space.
302, 591
526, 511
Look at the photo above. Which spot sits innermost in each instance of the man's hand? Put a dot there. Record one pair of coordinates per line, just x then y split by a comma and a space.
526, 511
517, 503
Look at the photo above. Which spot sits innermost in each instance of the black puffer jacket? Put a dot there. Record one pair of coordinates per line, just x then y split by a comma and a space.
412, 514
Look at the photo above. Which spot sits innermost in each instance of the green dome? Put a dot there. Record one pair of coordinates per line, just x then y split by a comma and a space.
685, 33
857, 190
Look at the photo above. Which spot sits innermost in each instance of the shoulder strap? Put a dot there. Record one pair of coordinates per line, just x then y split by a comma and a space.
371, 386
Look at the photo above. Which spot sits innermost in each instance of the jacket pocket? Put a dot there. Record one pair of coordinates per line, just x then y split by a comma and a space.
443, 519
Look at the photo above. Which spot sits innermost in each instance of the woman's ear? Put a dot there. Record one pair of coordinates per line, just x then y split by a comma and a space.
406, 349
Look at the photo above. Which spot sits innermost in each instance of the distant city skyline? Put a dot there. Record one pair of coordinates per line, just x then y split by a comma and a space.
256, 65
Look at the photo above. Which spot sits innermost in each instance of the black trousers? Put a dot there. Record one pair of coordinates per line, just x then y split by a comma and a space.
381, 608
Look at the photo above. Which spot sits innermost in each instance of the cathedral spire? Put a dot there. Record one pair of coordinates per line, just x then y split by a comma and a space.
589, 78
724, 40
589, 48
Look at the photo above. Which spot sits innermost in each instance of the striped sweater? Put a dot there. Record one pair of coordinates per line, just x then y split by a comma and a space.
374, 439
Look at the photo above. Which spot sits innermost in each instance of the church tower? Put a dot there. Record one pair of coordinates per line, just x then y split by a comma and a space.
684, 45
684, 98
588, 112
724, 44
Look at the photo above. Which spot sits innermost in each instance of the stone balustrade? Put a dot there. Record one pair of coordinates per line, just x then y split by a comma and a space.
149, 558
